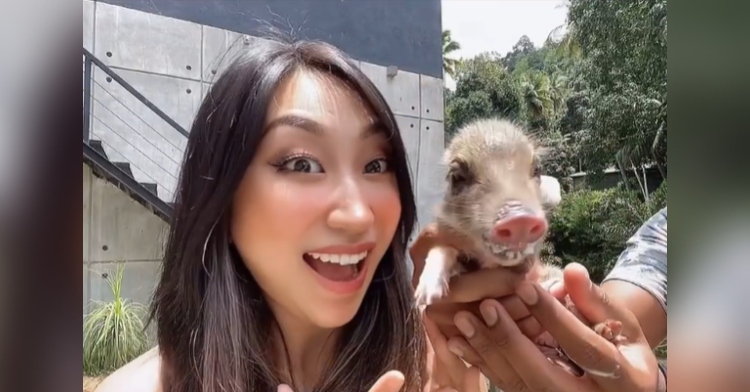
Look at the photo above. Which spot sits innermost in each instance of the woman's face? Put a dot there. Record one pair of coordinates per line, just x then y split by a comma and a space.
319, 204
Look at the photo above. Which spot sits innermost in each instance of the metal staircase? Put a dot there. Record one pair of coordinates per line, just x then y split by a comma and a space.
121, 146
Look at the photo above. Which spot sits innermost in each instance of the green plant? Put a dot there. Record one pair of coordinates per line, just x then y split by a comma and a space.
113, 332
591, 226
547, 254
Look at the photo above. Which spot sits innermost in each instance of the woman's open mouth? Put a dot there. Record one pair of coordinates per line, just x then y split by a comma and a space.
337, 267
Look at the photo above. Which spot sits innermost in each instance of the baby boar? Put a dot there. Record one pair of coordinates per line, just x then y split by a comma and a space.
493, 215
493, 208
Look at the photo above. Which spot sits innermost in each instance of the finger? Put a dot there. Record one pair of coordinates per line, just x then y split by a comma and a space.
443, 314
442, 353
473, 381
510, 354
435, 373
594, 354
592, 302
530, 327
515, 307
481, 284
463, 349
391, 381
284, 388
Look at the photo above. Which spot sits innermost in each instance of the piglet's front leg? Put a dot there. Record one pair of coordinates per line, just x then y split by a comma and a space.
438, 269
609, 329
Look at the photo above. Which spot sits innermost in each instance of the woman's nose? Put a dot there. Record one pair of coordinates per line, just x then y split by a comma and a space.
354, 216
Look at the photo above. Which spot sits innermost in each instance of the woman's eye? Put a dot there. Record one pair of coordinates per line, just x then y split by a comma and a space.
303, 165
377, 166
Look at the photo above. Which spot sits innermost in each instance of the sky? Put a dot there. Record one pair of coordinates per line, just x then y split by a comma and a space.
496, 25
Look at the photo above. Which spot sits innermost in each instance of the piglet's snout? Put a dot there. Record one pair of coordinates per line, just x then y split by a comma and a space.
520, 227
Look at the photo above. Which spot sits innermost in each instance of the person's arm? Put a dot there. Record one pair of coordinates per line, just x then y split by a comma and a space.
639, 278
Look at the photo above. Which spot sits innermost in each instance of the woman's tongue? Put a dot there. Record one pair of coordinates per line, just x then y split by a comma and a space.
332, 271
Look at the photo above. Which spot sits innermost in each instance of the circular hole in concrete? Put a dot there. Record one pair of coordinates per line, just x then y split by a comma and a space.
188, 67
213, 71
105, 247
189, 91
428, 110
109, 54
428, 128
412, 108
411, 125
109, 79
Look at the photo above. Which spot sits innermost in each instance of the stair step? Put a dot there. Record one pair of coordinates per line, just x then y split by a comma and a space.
124, 166
97, 146
151, 187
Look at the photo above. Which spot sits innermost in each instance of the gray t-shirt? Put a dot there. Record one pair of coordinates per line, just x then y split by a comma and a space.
644, 260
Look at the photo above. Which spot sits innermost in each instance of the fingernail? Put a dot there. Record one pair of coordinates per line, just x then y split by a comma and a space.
464, 325
455, 349
490, 315
527, 293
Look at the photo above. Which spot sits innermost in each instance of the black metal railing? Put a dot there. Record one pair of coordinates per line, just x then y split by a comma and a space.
117, 127
88, 60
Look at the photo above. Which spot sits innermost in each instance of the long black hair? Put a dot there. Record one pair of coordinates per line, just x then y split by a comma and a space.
214, 326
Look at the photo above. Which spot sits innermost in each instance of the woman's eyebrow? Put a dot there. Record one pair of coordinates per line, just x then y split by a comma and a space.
374, 128
298, 122
316, 128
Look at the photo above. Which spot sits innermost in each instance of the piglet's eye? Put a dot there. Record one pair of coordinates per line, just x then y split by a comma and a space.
459, 176
536, 171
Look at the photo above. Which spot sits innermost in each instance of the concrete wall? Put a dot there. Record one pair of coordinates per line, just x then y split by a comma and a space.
117, 229
172, 63
403, 33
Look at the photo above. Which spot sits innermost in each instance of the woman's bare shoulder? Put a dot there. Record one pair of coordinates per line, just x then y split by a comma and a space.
140, 375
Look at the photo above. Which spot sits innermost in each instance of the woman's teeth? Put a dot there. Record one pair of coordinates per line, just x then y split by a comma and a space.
339, 259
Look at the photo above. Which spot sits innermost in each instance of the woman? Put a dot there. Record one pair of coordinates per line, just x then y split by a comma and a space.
286, 258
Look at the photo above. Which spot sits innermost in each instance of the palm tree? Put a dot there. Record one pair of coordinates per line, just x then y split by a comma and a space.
449, 45
564, 36
535, 93
558, 91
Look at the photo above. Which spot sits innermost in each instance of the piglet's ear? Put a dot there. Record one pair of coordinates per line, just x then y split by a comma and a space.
550, 191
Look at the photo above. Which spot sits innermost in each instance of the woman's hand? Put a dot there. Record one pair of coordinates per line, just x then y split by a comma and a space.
515, 363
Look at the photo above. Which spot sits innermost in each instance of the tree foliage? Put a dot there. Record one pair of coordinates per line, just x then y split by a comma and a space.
595, 94
624, 67
591, 226
596, 90
449, 46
